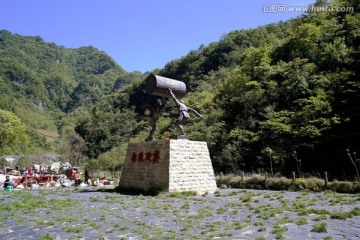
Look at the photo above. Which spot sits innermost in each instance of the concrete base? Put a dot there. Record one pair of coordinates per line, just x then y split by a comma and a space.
168, 165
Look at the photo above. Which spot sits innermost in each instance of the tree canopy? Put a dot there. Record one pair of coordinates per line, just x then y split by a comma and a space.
267, 93
13, 133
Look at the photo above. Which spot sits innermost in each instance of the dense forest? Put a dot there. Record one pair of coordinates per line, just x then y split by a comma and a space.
45, 84
278, 98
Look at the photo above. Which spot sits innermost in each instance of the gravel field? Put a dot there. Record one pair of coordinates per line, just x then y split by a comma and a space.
101, 213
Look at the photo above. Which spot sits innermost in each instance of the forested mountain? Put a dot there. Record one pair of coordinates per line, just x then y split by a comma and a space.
286, 93
42, 82
278, 98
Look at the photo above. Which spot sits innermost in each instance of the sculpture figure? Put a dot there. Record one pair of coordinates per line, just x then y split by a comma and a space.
184, 113
166, 88
153, 117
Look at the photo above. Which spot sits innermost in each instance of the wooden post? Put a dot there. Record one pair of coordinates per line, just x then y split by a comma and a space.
293, 177
326, 179
242, 175
221, 178
266, 180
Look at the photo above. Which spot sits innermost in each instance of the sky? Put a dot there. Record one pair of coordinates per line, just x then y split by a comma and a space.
140, 35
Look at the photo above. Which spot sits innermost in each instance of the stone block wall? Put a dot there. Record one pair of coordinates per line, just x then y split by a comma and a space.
170, 165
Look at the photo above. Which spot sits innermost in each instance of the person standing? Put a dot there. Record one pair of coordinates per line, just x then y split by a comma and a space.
86, 176
30, 171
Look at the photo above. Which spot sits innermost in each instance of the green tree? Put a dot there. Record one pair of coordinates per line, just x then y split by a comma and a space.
113, 160
13, 133
4, 163
74, 149
109, 123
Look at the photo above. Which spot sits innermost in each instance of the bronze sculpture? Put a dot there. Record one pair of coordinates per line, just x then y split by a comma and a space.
166, 88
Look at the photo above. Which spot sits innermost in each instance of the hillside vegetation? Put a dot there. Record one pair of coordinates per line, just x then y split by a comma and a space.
42, 82
284, 94
278, 98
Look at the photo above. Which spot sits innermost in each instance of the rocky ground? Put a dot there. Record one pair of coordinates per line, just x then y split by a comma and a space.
93, 213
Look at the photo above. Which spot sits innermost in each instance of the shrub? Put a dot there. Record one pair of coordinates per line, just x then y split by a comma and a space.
247, 197
46, 236
255, 182
344, 186
229, 180
281, 183
320, 228
312, 184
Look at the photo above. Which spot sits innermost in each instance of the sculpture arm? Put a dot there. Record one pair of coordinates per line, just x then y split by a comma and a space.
173, 96
196, 113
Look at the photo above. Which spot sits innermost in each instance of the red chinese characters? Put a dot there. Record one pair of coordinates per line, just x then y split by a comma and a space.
148, 156
156, 156
133, 157
140, 157
152, 157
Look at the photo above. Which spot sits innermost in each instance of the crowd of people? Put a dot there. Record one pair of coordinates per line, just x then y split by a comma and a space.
30, 177
43, 176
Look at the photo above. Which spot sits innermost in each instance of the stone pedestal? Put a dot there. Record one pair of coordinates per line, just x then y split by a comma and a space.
168, 165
